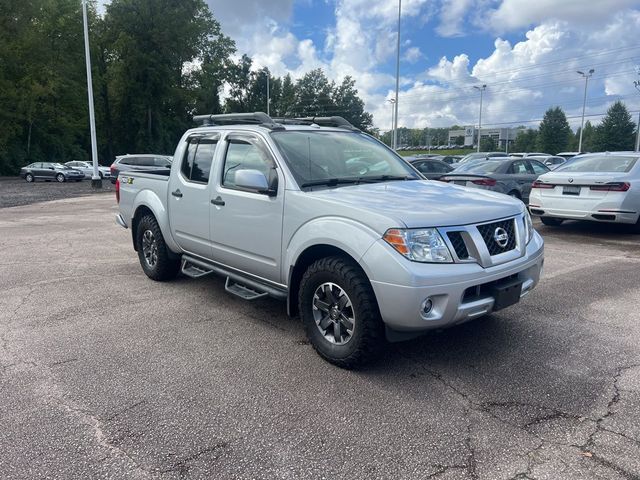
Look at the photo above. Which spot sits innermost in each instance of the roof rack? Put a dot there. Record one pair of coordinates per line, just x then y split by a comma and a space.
255, 118
335, 121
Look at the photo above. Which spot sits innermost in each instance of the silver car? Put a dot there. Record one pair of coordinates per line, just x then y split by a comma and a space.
87, 169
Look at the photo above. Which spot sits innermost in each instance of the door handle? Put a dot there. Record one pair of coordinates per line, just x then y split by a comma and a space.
218, 201
177, 193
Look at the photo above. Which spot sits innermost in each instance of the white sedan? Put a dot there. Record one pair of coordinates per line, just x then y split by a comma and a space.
601, 187
87, 169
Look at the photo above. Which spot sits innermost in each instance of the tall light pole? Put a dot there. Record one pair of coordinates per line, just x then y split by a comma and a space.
636, 83
266, 71
392, 101
584, 103
395, 130
96, 182
481, 90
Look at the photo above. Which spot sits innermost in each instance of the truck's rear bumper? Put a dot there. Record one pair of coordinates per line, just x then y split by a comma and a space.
402, 307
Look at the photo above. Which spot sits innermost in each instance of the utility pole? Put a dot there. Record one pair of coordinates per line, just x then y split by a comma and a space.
395, 134
481, 90
392, 101
266, 71
96, 182
584, 103
636, 83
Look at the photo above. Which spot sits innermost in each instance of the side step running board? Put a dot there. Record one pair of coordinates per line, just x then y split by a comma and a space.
238, 284
242, 291
194, 271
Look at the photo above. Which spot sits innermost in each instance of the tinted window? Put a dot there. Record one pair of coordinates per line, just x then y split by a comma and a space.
187, 161
243, 154
423, 167
144, 162
483, 167
518, 168
440, 168
600, 163
538, 168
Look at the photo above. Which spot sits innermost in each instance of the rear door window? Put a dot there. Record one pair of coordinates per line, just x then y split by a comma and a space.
537, 167
518, 168
198, 158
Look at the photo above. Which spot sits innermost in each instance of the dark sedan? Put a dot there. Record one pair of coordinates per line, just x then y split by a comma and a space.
138, 162
50, 171
513, 176
431, 168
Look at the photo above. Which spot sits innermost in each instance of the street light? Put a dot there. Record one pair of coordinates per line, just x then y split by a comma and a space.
481, 90
584, 103
395, 130
96, 182
266, 71
392, 101
636, 83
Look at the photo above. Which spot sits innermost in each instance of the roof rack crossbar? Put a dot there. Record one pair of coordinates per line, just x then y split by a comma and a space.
255, 118
334, 121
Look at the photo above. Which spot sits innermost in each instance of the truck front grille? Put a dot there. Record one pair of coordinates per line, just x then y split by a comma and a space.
488, 232
458, 245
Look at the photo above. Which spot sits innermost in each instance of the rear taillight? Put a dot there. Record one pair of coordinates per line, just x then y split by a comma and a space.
611, 187
539, 184
118, 190
487, 182
112, 169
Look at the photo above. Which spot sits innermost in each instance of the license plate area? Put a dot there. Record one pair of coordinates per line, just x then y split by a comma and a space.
570, 190
506, 293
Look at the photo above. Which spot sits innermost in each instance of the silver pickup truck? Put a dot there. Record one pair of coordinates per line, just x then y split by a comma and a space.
325, 217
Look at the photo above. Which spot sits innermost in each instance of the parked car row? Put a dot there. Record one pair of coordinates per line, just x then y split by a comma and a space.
79, 170
602, 187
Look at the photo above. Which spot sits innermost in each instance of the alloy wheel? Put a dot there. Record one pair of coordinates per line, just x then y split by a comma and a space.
150, 248
333, 313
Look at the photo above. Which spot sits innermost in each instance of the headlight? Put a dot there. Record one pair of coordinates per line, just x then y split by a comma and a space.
528, 226
419, 245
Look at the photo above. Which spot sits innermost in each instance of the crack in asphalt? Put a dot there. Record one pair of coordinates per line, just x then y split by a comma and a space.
485, 408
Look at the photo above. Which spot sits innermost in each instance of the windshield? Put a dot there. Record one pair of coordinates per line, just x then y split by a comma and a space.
59, 165
329, 157
480, 167
599, 163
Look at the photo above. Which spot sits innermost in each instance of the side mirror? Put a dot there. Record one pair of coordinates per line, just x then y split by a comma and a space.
253, 180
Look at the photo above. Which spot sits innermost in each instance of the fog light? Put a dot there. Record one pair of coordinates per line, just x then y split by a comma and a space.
427, 306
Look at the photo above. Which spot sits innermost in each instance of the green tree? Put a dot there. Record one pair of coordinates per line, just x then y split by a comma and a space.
350, 106
616, 131
554, 131
526, 141
487, 144
314, 95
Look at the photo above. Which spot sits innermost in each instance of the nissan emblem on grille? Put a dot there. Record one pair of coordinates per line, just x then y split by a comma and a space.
501, 237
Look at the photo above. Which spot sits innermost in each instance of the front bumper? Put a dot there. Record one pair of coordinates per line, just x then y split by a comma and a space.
401, 305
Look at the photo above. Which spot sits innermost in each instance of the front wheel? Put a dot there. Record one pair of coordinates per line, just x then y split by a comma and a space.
29, 178
60, 178
551, 221
340, 312
156, 261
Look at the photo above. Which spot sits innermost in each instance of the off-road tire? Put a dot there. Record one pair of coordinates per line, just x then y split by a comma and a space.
368, 331
551, 221
167, 265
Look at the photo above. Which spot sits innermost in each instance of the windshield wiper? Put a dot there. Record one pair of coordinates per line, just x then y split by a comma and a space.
385, 178
330, 182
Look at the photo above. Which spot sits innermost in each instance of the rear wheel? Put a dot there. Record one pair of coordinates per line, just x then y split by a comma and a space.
155, 258
60, 178
29, 178
551, 221
340, 313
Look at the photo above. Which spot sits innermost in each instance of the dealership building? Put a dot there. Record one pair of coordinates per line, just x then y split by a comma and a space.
500, 135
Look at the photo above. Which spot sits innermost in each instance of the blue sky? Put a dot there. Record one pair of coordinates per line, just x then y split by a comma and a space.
526, 51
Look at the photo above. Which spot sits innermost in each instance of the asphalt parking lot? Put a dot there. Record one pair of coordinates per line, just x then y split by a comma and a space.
106, 374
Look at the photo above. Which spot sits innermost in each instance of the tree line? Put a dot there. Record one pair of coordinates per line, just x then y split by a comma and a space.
156, 63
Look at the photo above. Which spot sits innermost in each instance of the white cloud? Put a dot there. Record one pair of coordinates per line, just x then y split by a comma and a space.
412, 55
452, 16
512, 14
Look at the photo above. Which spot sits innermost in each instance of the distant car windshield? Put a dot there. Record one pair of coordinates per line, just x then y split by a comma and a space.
59, 165
490, 166
319, 157
600, 163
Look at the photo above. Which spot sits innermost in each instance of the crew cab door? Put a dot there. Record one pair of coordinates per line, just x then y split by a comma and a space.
188, 199
246, 226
